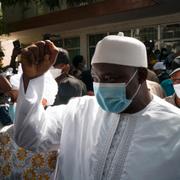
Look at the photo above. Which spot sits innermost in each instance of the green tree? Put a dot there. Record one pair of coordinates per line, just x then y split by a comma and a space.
50, 3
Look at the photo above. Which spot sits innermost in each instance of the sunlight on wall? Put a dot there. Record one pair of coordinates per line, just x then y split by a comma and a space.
7, 47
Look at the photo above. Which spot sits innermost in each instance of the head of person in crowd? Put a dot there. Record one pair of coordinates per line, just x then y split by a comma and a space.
163, 55
159, 67
79, 62
175, 77
119, 76
151, 57
157, 53
68, 88
149, 46
86, 78
61, 66
164, 78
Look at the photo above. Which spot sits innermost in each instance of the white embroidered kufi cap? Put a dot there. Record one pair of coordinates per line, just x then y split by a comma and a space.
121, 50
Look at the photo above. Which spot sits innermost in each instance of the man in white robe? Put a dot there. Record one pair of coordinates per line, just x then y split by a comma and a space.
122, 133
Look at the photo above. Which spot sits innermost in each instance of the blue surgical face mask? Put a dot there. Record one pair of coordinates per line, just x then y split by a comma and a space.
112, 96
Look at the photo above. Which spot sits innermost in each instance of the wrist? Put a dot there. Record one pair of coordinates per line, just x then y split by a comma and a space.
25, 81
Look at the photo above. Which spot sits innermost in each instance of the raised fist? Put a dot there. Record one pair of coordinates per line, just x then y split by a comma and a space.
37, 58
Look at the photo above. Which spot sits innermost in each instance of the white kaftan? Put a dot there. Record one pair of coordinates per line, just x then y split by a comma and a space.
94, 144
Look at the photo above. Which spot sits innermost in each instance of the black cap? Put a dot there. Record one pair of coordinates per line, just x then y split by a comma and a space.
175, 66
62, 57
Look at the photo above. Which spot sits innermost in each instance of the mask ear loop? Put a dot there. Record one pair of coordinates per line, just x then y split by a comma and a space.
131, 78
135, 94
138, 86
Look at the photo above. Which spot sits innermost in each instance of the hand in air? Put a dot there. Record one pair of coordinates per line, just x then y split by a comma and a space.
37, 58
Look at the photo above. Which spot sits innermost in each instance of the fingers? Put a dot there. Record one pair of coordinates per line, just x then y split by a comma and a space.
39, 52
53, 51
34, 51
33, 54
41, 46
27, 57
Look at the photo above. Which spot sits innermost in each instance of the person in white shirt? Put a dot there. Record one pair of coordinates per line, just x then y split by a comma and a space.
175, 77
123, 132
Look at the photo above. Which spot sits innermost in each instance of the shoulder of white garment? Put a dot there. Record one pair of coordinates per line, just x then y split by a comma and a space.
169, 108
78, 106
77, 103
81, 103
83, 99
159, 117
158, 104
158, 109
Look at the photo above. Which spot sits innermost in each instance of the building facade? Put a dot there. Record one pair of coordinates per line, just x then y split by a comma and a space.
78, 29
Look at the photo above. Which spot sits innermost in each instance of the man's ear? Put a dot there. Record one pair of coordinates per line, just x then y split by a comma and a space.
142, 73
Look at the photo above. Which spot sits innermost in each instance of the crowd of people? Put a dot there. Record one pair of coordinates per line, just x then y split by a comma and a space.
118, 120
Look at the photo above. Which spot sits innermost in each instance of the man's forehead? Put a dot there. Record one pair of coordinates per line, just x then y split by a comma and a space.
112, 68
176, 74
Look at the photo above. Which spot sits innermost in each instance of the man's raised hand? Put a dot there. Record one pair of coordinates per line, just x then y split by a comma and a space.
37, 58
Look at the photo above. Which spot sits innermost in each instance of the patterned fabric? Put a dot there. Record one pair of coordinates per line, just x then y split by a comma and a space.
16, 163
112, 151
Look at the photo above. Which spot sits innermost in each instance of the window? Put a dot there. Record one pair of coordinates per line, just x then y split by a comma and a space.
146, 34
72, 45
170, 31
126, 33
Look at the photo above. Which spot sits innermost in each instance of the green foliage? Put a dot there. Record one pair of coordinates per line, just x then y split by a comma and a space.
13, 2
49, 3
78, 2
